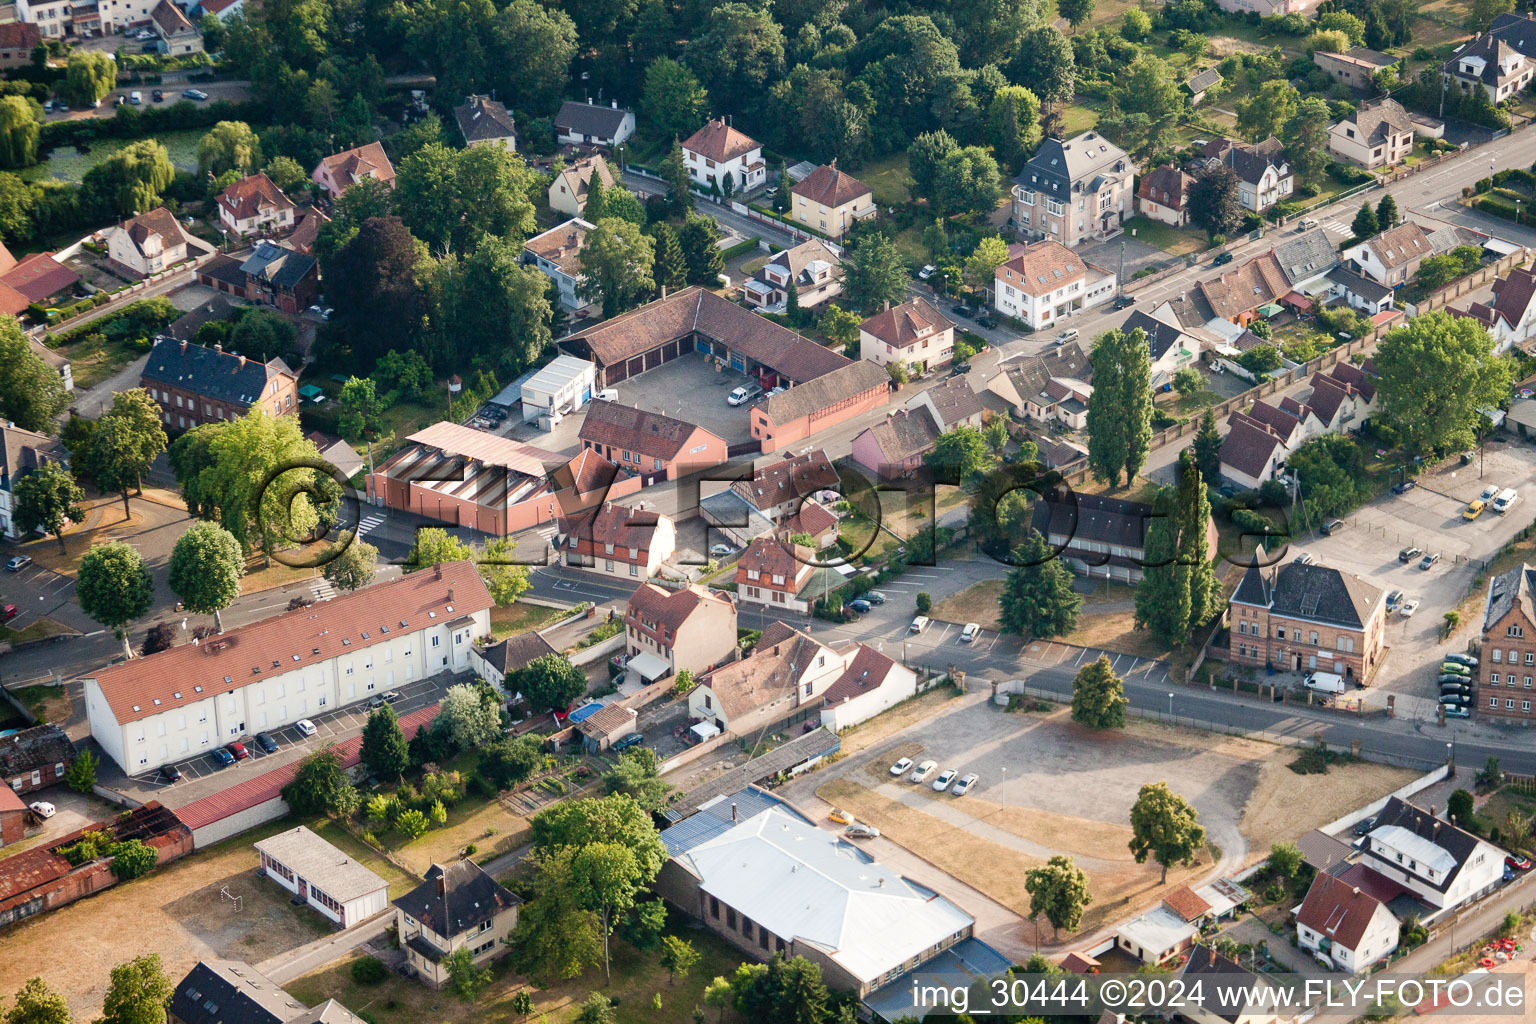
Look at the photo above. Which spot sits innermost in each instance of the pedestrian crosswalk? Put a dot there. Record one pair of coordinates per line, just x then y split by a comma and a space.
322, 590
368, 522
1336, 227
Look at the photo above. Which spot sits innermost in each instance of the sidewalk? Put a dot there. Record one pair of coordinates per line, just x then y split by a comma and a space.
312, 955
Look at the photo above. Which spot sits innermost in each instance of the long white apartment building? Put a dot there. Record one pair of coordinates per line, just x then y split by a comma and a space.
194, 697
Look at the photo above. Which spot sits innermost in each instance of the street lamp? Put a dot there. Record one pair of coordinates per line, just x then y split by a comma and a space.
1003, 787
1170, 704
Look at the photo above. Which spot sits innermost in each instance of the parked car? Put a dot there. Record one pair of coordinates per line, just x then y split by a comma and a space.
196, 95
391, 696
42, 808
918, 624
1364, 826
1455, 668
1473, 509
237, 750
874, 597
987, 322
1306, 558
1222, 259
971, 631
170, 773
1066, 335
1457, 700
1428, 561
1125, 302
1462, 659
923, 771
720, 550
861, 831
1331, 525
1489, 493
1452, 679
634, 739
1404, 487
859, 606
1506, 500
158, 96
961, 311
1455, 690
1409, 554
375, 702
744, 394
18, 563
928, 271
1518, 861
901, 767
1457, 712
947, 776
1394, 599
841, 816
305, 727
1408, 607
136, 97
9, 612
222, 757
966, 784
266, 743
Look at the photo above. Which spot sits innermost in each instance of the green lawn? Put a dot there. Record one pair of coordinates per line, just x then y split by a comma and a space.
888, 179
67, 163
93, 358
1174, 241
520, 618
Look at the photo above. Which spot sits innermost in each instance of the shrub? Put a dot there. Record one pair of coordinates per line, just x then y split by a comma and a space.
924, 602
369, 970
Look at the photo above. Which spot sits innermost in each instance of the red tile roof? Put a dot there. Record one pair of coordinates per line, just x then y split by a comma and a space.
250, 196
19, 35
720, 142
629, 429
867, 672
627, 529
830, 187
665, 606
193, 672
39, 276
1042, 267
788, 479
1186, 904
1337, 910
907, 324
367, 161
770, 557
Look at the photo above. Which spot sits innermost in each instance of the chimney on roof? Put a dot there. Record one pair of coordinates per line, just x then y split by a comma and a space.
663, 291
733, 810
1356, 890
218, 346
437, 571
242, 362
183, 346
450, 595
615, 104
442, 885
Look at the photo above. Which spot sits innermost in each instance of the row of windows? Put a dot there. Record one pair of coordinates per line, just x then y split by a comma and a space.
1493, 680
1514, 657
1509, 704
1344, 643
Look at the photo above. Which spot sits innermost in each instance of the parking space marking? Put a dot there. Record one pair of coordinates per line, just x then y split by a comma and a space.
1080, 656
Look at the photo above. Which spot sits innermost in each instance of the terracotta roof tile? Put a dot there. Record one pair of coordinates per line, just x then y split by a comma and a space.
720, 142
908, 323
649, 433
827, 186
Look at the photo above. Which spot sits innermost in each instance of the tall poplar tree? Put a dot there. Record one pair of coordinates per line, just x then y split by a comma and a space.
1120, 413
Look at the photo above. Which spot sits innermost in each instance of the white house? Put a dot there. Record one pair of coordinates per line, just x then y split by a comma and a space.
1047, 282
53, 18
593, 124
1511, 318
178, 36
870, 684
1392, 257
786, 671
21, 452
914, 333
1264, 175
1343, 923
1490, 63
557, 252
457, 906
255, 204
559, 388
198, 696
495, 662
323, 876
120, 14
1443, 865
1170, 346
717, 153
617, 540
150, 242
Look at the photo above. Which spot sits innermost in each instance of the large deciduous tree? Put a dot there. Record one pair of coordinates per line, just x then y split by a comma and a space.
114, 588
539, 44
371, 282
130, 181
1037, 599
549, 683
354, 567
1267, 111
31, 393
1120, 415
1098, 696
874, 274
228, 146
471, 714
36, 1003
616, 265
138, 993
206, 565
1013, 125
672, 100
1046, 63
557, 935
1058, 891
1305, 135
1165, 828
18, 133
739, 54
46, 499
451, 198
966, 181
88, 77
125, 443
1437, 374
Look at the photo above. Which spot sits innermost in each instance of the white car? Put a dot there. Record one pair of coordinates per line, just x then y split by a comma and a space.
928, 271
971, 631
1407, 608
947, 776
966, 784
1489, 493
744, 394
305, 727
859, 830
42, 808
924, 770
1067, 335
901, 767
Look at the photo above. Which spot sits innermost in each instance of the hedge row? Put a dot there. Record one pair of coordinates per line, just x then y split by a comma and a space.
132, 122
746, 245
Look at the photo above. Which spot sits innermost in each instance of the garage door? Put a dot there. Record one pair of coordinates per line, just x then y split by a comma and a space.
635, 367
669, 351
653, 359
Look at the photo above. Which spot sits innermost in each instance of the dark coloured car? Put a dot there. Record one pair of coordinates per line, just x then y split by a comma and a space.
1409, 554
1222, 260
374, 703
859, 605
874, 597
960, 311
631, 740
1404, 487
158, 96
223, 758
1125, 301
237, 751
1455, 700
1332, 525
1365, 826
987, 322
266, 743
170, 773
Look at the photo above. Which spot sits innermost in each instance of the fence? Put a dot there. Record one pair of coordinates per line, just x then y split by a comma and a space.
788, 227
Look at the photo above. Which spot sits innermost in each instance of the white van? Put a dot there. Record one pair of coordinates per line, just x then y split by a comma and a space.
1506, 500
918, 624
744, 394
1325, 682
608, 395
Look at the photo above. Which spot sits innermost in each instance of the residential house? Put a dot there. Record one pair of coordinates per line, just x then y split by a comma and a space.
691, 628
1237, 995
456, 906
1254, 449
914, 334
774, 884
1369, 297
53, 18
568, 189
814, 270
36, 280
1047, 282
13, 818
1161, 195
151, 242
483, 121
1100, 536
1170, 346
722, 159
617, 540
558, 389
17, 41
59, 363
1343, 396
557, 252
1051, 388
869, 685
951, 403
1235, 294
187, 700
806, 409
1073, 191
1489, 63
341, 455
1055, 452
593, 124
779, 684
178, 36
1440, 863
1201, 83
222, 9
232, 992
774, 574
1378, 134
1511, 319
607, 726
697, 320
496, 663
272, 274
777, 501
1356, 67
1508, 658
1297, 617
253, 205
306, 230
830, 202
1342, 923
657, 447
35, 758
1264, 8
1392, 257
195, 384
340, 171
467, 477
22, 451
895, 446
327, 879
1264, 175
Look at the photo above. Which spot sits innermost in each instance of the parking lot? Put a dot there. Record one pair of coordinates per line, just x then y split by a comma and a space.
330, 727
1429, 517
34, 590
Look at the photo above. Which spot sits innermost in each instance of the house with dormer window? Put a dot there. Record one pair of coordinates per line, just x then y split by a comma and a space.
774, 573
780, 683
1074, 190
1047, 282
1440, 863
914, 333
1490, 63
814, 270
1297, 617
1377, 134
692, 628
458, 906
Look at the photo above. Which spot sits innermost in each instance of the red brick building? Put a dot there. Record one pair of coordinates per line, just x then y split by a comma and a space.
194, 384
1508, 656
655, 446
13, 818
818, 404
1299, 617
35, 758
